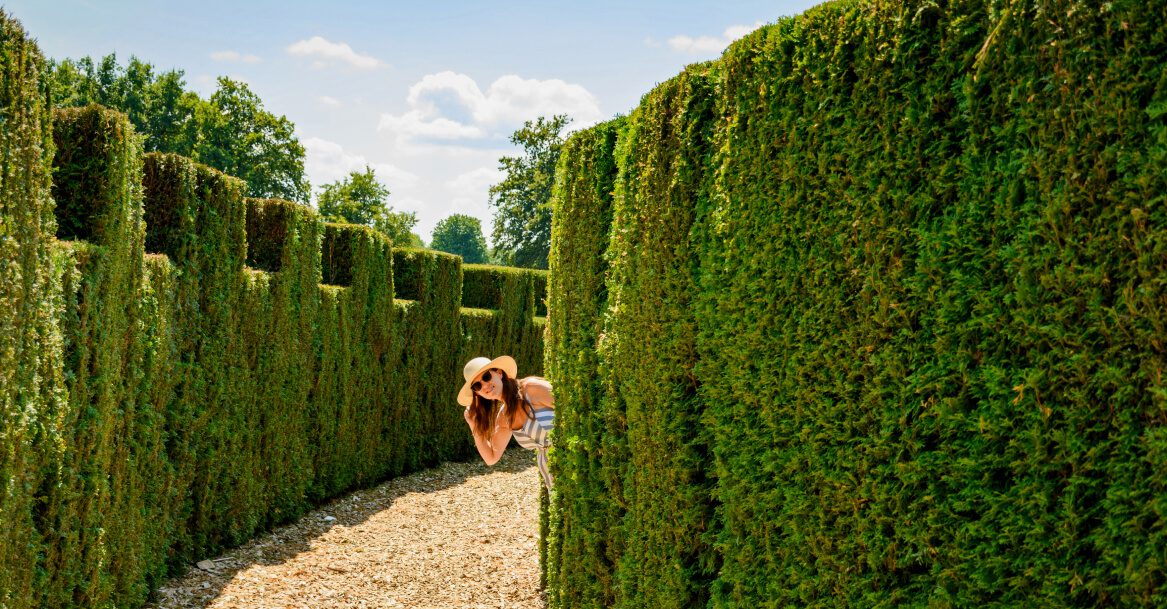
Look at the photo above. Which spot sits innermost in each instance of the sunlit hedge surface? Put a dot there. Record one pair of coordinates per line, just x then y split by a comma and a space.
590, 450
883, 300
182, 367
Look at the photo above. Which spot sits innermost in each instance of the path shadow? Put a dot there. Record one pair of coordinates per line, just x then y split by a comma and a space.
199, 587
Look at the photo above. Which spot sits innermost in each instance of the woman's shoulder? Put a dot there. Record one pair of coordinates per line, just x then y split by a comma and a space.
537, 390
536, 381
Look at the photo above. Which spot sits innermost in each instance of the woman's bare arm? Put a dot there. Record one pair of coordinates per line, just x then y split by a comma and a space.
490, 448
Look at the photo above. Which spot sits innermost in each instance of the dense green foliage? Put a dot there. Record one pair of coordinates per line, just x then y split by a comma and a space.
522, 201
157, 103
650, 345
30, 342
359, 198
461, 235
103, 497
230, 131
160, 407
500, 302
924, 270
584, 543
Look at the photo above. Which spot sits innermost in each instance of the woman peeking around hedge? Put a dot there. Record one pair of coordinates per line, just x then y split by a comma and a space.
500, 405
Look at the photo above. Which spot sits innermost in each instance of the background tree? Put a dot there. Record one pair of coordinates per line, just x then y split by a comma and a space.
462, 235
360, 198
239, 137
522, 201
231, 131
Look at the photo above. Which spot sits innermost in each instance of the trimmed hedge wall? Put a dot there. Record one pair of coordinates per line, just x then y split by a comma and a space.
583, 542
510, 295
159, 407
197, 217
486, 286
104, 485
925, 264
430, 344
650, 345
30, 342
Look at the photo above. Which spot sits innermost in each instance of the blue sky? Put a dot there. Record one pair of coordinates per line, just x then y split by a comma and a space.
425, 92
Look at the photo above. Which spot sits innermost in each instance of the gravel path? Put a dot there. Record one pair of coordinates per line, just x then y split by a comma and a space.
459, 535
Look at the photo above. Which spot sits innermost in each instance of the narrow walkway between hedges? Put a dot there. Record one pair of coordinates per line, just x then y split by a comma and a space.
459, 535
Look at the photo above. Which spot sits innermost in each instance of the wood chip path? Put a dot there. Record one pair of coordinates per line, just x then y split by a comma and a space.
460, 535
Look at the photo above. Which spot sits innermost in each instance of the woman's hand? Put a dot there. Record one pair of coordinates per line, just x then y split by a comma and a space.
466, 415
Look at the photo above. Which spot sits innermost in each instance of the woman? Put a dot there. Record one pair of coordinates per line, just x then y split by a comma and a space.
500, 405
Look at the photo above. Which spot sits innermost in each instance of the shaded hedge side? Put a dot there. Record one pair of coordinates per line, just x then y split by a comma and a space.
30, 357
650, 345
583, 543
430, 374
511, 295
104, 483
929, 257
349, 408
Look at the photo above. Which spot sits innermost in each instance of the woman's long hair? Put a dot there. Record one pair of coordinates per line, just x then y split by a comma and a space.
483, 411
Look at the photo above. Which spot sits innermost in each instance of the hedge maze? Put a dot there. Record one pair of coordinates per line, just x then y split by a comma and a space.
182, 367
870, 312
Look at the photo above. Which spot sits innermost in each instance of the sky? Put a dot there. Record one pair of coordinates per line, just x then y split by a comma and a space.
425, 93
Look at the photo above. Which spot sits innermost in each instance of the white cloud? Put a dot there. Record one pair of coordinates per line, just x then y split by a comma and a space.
409, 204
394, 177
514, 99
416, 124
451, 106
235, 56
330, 101
327, 162
475, 183
703, 45
325, 52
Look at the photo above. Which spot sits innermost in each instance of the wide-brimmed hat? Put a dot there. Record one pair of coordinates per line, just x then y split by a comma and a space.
475, 367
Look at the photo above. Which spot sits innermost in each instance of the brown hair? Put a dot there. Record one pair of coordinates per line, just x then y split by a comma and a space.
483, 411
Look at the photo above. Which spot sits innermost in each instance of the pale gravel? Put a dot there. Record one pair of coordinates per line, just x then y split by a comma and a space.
461, 535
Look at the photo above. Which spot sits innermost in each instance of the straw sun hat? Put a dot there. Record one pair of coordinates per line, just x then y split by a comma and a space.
475, 367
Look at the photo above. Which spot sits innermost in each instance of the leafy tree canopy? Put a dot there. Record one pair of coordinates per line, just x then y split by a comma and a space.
360, 198
231, 131
462, 235
522, 201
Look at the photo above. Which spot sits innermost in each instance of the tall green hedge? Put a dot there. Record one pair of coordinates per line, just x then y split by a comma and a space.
583, 543
30, 355
104, 486
196, 216
180, 369
927, 254
500, 308
428, 316
277, 321
650, 345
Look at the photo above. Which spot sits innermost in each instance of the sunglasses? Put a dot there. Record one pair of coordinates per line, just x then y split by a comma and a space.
476, 385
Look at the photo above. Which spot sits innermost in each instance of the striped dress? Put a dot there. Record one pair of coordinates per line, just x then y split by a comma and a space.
535, 435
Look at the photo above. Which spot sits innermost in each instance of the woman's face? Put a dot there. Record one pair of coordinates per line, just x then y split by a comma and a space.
491, 389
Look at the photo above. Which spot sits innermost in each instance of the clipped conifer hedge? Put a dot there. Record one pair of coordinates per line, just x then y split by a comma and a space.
30, 341
500, 308
183, 368
924, 263
105, 486
650, 345
583, 542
